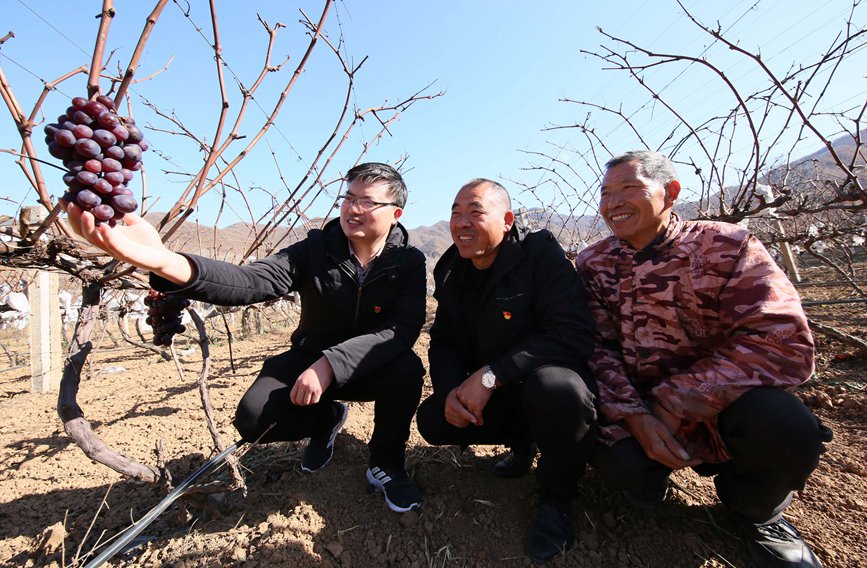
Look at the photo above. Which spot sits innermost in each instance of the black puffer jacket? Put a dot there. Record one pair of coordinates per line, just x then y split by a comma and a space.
356, 328
532, 312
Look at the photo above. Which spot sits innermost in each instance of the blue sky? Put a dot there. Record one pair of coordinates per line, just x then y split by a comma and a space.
503, 65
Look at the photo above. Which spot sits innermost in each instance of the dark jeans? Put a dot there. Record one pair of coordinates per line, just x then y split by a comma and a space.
395, 388
775, 443
553, 407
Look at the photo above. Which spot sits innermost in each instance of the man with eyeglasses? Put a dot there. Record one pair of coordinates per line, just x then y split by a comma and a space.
362, 288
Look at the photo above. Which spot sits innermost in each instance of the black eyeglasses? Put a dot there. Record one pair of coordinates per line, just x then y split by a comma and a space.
363, 203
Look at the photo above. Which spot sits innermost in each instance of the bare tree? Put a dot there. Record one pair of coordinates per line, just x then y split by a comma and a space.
814, 203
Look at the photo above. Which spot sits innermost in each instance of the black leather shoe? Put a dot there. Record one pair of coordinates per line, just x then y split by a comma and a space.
517, 462
552, 532
779, 544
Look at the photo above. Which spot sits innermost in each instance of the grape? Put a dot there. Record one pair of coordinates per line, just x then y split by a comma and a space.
87, 148
105, 139
111, 165
132, 152
124, 203
103, 212
94, 108
108, 120
93, 165
82, 131
68, 178
127, 174
164, 316
135, 134
51, 129
65, 138
114, 178
81, 117
58, 151
86, 177
133, 166
120, 189
101, 185
74, 166
79, 102
120, 132
87, 199
114, 152
143, 144
108, 102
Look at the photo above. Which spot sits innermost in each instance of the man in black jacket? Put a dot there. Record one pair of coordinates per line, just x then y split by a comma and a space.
362, 289
507, 356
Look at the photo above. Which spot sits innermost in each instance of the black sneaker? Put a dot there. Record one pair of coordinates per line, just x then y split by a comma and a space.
517, 462
320, 448
400, 491
779, 544
552, 532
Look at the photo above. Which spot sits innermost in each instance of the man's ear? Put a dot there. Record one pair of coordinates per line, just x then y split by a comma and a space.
672, 190
509, 220
398, 211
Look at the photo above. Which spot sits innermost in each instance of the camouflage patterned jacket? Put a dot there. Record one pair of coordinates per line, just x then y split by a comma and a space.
691, 323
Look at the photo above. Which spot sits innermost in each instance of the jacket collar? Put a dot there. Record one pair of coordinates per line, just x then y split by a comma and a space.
511, 253
660, 243
338, 244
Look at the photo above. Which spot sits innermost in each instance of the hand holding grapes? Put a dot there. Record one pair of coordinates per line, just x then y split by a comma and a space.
135, 242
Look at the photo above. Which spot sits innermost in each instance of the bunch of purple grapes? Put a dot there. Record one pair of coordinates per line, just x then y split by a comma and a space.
164, 316
101, 150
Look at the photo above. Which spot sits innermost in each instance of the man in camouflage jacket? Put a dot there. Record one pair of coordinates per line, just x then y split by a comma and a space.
699, 333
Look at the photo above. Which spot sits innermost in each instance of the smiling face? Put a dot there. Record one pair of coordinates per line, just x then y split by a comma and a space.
635, 207
368, 226
480, 220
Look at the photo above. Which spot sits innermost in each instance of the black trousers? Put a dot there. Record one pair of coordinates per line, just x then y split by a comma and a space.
775, 443
395, 389
553, 407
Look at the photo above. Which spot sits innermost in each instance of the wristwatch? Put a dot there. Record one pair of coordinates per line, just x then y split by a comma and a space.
489, 379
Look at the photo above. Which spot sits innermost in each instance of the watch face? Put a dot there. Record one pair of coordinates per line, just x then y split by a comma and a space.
489, 380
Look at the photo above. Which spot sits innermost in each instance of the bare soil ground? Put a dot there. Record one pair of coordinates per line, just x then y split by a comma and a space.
469, 518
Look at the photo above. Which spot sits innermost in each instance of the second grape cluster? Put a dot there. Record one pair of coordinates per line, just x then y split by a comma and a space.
100, 150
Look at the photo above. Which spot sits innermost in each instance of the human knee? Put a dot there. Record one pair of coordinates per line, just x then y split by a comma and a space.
404, 372
247, 419
431, 421
774, 421
625, 466
558, 393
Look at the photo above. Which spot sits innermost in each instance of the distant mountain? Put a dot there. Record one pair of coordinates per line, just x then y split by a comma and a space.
229, 243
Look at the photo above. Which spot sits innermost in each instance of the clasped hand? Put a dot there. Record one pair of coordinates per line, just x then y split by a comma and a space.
655, 433
465, 402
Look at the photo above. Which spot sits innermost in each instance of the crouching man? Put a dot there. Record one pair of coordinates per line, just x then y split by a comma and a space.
700, 333
507, 355
362, 288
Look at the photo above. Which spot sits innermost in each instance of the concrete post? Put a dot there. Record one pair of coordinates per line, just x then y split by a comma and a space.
46, 361
788, 257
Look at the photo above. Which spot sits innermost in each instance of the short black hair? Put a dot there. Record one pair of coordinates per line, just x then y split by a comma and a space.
373, 172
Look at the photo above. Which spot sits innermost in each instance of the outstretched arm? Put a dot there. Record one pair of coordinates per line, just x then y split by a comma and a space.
135, 242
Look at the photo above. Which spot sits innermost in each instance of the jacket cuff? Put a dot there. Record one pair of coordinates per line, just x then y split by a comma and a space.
160, 284
618, 411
